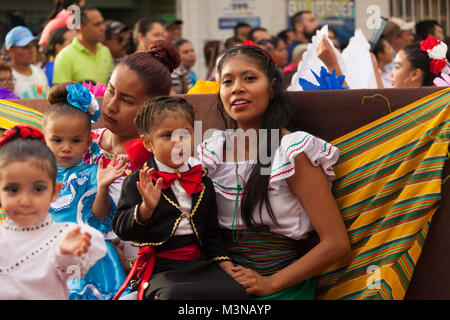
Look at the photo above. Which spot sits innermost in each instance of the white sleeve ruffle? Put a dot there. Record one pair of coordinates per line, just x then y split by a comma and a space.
210, 151
318, 151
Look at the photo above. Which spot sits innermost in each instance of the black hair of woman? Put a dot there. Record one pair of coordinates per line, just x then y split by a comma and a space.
277, 116
419, 60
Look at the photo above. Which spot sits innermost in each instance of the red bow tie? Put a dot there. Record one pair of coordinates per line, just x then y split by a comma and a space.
190, 180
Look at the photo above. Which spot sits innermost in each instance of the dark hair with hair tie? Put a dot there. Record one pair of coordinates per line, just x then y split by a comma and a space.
419, 59
154, 67
164, 53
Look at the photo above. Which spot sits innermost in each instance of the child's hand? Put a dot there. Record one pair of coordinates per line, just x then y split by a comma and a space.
106, 176
150, 193
74, 242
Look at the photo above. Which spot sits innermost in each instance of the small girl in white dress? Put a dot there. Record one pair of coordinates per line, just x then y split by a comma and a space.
37, 255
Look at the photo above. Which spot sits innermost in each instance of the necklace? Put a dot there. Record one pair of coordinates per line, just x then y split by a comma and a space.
235, 223
240, 184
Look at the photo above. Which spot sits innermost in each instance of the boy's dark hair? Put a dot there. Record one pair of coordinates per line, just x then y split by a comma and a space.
277, 116
156, 109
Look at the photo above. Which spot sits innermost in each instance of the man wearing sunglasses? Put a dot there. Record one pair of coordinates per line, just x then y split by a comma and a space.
117, 39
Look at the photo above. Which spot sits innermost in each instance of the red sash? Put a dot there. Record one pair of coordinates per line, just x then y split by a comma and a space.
143, 267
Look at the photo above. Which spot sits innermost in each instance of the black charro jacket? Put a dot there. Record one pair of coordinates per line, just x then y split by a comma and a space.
165, 218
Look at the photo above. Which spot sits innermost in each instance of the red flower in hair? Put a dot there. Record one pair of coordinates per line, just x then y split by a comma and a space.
429, 43
436, 66
7, 136
25, 132
10, 133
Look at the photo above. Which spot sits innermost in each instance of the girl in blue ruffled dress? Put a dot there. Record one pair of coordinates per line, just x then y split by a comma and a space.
84, 198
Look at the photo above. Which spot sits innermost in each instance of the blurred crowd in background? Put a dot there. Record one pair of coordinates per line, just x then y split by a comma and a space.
31, 63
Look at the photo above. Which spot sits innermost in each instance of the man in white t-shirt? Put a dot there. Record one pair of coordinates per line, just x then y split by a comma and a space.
30, 80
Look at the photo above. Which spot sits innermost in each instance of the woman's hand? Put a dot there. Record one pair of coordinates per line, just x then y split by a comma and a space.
150, 193
74, 242
113, 171
326, 53
252, 281
227, 266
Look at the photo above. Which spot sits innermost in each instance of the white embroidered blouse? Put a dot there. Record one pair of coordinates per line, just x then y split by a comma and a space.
31, 266
291, 216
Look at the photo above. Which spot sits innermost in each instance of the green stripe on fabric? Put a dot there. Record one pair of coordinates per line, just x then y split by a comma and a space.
429, 105
372, 141
416, 149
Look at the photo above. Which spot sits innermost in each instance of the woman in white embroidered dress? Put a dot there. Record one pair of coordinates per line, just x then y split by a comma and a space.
38, 255
268, 208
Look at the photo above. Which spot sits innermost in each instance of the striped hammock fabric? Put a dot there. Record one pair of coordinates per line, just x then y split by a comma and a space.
265, 252
388, 186
12, 114
2, 215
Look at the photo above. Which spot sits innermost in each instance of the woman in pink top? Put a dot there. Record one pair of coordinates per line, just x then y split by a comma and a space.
59, 18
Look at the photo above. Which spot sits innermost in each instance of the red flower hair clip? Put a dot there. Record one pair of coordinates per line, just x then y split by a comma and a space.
437, 51
21, 132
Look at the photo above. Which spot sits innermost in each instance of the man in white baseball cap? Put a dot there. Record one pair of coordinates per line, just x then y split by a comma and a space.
398, 34
30, 80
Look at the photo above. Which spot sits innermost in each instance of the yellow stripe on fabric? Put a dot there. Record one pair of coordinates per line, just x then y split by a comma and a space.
399, 194
391, 115
16, 114
367, 191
